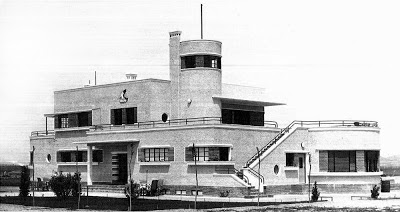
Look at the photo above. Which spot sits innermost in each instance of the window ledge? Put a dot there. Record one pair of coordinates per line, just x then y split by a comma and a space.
348, 174
291, 168
211, 163
166, 163
74, 163
72, 129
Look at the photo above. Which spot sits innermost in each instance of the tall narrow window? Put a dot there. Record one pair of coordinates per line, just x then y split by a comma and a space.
64, 122
371, 161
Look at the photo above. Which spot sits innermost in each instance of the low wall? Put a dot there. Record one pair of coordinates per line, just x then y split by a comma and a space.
208, 190
323, 188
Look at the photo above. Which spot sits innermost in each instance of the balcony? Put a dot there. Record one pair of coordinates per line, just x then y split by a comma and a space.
174, 123
42, 133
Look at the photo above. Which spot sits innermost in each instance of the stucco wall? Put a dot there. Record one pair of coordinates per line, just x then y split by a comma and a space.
179, 172
150, 96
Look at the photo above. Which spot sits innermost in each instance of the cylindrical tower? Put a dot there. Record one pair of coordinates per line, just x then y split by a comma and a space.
200, 78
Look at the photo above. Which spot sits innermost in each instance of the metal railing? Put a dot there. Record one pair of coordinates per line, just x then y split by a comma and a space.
42, 133
159, 124
327, 123
173, 122
256, 174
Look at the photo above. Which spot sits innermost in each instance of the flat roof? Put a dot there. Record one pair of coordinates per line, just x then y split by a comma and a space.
107, 141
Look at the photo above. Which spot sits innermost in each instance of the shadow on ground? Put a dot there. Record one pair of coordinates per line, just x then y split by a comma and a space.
121, 204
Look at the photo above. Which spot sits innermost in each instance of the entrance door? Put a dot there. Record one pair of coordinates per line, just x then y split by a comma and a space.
122, 168
302, 168
119, 168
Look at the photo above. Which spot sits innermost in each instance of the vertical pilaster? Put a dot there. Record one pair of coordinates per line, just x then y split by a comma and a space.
89, 164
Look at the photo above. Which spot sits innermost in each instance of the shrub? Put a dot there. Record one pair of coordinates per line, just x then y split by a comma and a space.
375, 192
25, 182
315, 192
134, 188
65, 185
224, 193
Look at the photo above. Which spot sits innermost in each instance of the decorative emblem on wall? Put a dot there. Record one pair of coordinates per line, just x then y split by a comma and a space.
122, 97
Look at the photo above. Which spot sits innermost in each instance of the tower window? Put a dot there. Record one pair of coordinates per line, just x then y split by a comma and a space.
195, 61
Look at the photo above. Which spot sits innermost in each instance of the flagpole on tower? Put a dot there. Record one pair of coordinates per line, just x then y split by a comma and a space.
201, 17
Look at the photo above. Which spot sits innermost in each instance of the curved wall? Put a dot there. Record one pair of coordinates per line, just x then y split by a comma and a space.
199, 84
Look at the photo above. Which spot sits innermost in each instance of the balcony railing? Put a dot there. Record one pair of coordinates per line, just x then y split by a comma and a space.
311, 124
173, 123
42, 133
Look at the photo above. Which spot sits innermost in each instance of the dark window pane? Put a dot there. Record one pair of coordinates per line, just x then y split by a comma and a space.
289, 159
130, 113
83, 119
97, 156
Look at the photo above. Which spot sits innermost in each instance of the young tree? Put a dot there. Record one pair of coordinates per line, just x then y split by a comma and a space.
25, 182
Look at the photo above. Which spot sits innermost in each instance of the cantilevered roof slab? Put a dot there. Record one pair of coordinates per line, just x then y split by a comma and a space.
244, 95
247, 101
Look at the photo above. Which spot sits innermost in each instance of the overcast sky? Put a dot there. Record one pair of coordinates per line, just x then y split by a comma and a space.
324, 59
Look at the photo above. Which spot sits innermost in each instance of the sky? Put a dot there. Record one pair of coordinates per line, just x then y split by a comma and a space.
327, 60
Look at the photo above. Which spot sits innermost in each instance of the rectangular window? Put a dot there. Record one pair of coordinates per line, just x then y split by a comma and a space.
154, 155
83, 119
243, 117
341, 161
289, 159
207, 153
64, 122
202, 154
72, 156
124, 116
371, 161
97, 156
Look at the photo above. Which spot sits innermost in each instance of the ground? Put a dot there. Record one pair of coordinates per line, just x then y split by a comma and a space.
109, 201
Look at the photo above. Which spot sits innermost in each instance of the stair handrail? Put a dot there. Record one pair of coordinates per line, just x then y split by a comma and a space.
244, 176
257, 174
285, 130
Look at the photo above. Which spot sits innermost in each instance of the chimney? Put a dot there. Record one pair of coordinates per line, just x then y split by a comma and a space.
174, 70
131, 77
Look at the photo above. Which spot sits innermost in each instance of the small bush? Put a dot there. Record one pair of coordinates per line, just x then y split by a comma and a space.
375, 192
134, 190
25, 182
65, 185
224, 193
315, 192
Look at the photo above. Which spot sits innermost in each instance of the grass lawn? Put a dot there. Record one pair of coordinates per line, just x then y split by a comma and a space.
107, 203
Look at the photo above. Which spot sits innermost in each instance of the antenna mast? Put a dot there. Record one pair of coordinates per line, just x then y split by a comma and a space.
201, 14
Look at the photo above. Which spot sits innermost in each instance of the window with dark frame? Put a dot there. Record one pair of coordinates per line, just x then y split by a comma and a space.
71, 156
64, 122
289, 159
121, 116
371, 161
207, 153
342, 161
81, 119
196, 61
155, 154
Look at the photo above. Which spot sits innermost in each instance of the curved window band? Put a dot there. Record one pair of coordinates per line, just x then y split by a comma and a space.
195, 61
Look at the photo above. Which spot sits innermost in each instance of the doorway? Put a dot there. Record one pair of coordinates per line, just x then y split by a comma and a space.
120, 168
302, 168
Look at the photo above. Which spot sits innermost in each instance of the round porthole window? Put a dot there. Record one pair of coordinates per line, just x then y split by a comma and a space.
276, 169
48, 158
164, 117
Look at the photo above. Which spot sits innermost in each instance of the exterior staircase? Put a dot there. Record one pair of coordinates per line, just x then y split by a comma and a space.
253, 175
